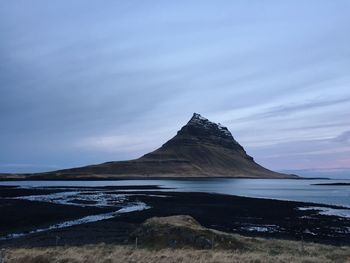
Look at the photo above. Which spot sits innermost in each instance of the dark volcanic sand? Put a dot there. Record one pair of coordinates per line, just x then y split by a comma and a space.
233, 214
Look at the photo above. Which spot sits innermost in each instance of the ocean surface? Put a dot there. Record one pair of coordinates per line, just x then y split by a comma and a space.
295, 190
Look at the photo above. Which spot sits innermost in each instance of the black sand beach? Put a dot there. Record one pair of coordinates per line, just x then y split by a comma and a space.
246, 216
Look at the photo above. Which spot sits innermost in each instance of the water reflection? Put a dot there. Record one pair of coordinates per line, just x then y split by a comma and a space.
297, 190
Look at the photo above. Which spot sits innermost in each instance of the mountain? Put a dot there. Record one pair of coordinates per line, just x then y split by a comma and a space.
200, 149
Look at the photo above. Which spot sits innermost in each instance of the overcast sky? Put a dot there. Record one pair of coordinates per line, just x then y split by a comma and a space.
85, 82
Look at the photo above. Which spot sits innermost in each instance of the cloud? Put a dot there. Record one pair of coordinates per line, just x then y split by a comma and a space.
293, 108
85, 82
344, 137
290, 109
329, 152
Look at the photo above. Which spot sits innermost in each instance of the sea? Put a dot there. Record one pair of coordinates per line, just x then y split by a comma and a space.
320, 191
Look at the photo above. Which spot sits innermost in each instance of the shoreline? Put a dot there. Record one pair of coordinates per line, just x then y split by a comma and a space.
112, 177
246, 216
157, 178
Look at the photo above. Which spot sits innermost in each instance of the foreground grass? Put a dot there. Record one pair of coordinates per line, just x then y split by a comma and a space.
155, 235
263, 251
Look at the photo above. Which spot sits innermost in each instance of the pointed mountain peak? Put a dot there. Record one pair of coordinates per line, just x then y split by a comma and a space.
199, 121
197, 116
199, 131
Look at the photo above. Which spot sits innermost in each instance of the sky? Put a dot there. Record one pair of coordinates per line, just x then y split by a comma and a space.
85, 82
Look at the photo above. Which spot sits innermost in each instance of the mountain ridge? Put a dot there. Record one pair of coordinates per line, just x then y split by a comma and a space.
201, 148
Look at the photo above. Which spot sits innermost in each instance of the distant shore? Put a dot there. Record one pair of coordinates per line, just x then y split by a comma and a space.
339, 184
99, 178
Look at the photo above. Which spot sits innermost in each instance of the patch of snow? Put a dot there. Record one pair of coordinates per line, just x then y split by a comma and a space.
221, 126
198, 119
198, 116
224, 129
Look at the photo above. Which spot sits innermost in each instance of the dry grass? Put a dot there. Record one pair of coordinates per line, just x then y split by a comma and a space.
264, 251
245, 249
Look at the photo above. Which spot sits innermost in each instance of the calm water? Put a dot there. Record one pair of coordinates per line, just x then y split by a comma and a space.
297, 190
